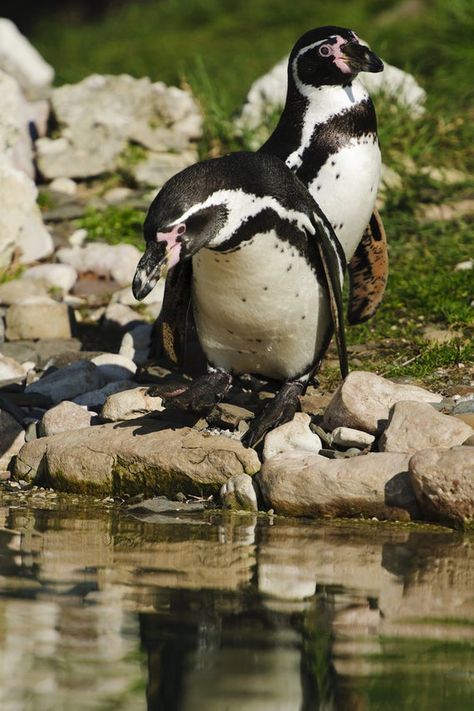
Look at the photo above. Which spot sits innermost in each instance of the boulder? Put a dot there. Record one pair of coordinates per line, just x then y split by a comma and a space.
304, 484
69, 382
21, 60
363, 402
294, 435
58, 277
142, 456
348, 437
10, 369
238, 494
157, 168
130, 404
443, 480
114, 366
64, 417
13, 291
12, 438
417, 425
15, 141
64, 186
38, 317
117, 262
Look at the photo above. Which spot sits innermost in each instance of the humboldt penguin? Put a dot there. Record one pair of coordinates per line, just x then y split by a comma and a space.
327, 135
267, 272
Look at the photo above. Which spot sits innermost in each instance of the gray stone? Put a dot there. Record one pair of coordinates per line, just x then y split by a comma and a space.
464, 406
348, 437
68, 383
38, 317
130, 404
294, 435
12, 438
114, 366
136, 343
117, 262
65, 186
363, 402
304, 484
416, 425
64, 417
40, 352
22, 61
225, 415
13, 291
238, 494
96, 398
15, 141
139, 457
443, 480
60, 277
157, 168
10, 369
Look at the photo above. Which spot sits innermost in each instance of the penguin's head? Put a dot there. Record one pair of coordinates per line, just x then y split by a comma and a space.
330, 56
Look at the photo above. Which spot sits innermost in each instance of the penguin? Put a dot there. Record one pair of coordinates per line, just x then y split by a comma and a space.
327, 135
267, 273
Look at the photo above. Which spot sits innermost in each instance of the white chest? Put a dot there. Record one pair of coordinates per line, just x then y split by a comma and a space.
260, 308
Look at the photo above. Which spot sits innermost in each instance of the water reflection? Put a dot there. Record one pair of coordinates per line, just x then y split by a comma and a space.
99, 610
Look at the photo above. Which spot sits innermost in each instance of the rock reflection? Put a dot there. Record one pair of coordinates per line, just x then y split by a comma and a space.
238, 612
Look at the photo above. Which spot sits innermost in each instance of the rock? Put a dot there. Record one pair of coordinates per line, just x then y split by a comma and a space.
238, 494
15, 141
304, 484
40, 352
469, 442
101, 115
440, 335
447, 176
38, 317
21, 224
10, 369
294, 435
64, 417
117, 262
347, 437
465, 266
225, 415
136, 343
115, 196
432, 212
417, 425
363, 402
61, 277
70, 382
125, 296
120, 316
467, 417
315, 403
13, 291
139, 457
96, 398
157, 168
443, 480
130, 404
12, 438
464, 406
22, 61
114, 366
65, 186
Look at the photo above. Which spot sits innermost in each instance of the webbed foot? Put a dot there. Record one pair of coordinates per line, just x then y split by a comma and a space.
202, 395
276, 412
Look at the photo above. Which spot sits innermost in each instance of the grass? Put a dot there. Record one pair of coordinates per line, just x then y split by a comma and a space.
219, 48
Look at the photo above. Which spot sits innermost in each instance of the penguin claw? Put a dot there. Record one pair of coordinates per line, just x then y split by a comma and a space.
276, 412
202, 395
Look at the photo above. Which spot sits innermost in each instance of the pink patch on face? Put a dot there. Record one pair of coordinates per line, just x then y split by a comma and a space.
339, 60
173, 247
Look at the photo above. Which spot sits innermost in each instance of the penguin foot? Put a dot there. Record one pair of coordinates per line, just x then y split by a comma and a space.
276, 412
203, 394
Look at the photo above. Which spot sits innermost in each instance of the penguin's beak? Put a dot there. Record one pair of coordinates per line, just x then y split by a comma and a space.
360, 58
162, 253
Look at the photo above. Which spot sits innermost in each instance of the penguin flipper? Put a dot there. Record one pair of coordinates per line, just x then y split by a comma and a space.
368, 272
170, 341
334, 265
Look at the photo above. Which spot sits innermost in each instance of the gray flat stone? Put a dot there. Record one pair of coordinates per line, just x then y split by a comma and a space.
70, 382
38, 318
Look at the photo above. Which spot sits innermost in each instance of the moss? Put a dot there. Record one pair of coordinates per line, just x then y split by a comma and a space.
114, 225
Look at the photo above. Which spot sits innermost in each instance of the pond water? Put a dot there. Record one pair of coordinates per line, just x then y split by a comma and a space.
100, 610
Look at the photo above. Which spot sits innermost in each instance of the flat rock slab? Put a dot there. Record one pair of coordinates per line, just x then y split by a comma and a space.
38, 317
443, 480
143, 456
363, 402
304, 484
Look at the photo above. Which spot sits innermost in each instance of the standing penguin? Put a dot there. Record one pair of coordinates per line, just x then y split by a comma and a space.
267, 272
327, 135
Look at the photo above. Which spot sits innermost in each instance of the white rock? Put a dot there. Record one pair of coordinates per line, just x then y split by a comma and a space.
57, 276
125, 296
66, 186
38, 317
21, 224
416, 425
464, 266
238, 494
69, 382
10, 369
348, 437
363, 402
15, 141
64, 417
118, 262
121, 315
157, 168
294, 435
117, 195
18, 290
129, 404
12, 438
136, 343
22, 61
77, 238
96, 398
114, 366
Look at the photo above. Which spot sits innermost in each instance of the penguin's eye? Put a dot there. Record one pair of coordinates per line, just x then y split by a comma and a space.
325, 50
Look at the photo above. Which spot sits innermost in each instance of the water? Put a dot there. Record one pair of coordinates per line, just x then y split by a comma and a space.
99, 610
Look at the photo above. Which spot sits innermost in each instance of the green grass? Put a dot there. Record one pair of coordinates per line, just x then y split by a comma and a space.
219, 48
